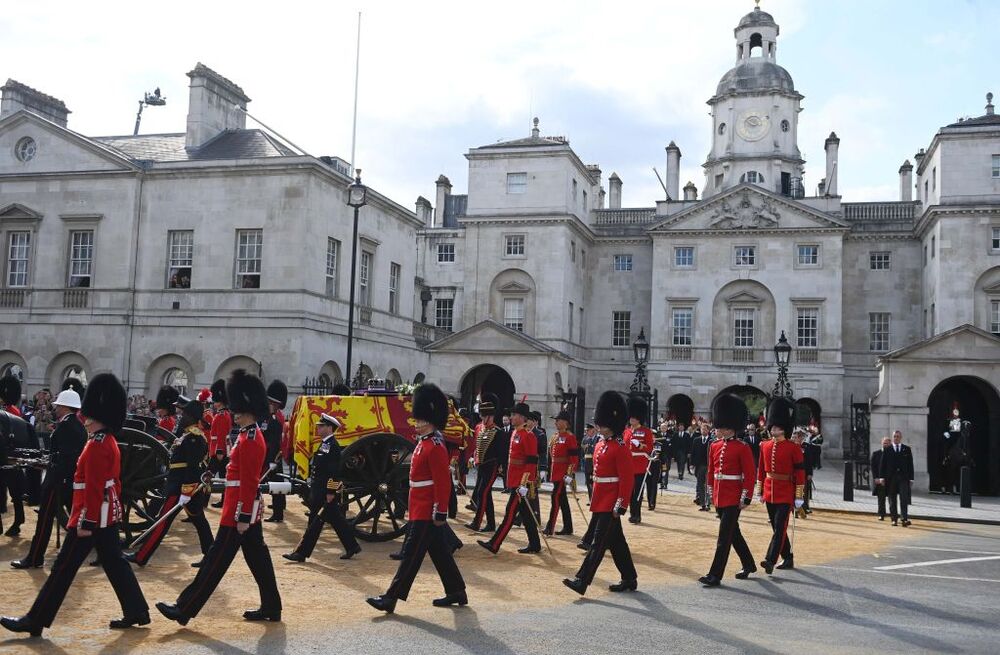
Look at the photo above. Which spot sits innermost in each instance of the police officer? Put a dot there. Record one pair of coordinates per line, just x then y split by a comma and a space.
780, 480
324, 496
487, 461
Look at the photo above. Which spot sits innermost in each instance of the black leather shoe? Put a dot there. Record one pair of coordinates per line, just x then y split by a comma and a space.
470, 507
396, 556
13, 530
583, 546
634, 520
547, 532
895, 522
576, 584
197, 565
743, 574
349, 554
22, 624
767, 566
564, 531
881, 518
452, 599
472, 526
121, 624
172, 613
488, 528
787, 563
25, 564
906, 523
274, 519
486, 545
527, 550
262, 615
384, 603
624, 585
710, 581
294, 556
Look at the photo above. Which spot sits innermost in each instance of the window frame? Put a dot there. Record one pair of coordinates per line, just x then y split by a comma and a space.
872, 260
332, 271
10, 259
237, 273
621, 328
875, 330
511, 240
753, 255
89, 275
444, 308
680, 266
511, 320
173, 248
395, 275
365, 267
994, 326
677, 337
995, 166
798, 256
622, 263
995, 239
748, 343
518, 187
443, 249
815, 317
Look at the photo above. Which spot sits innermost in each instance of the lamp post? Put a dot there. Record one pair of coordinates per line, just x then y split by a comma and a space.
357, 197
640, 349
782, 353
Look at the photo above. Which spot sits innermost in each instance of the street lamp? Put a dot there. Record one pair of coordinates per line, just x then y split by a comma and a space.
641, 350
357, 197
782, 353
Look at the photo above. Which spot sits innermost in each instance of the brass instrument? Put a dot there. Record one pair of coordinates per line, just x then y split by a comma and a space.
483, 442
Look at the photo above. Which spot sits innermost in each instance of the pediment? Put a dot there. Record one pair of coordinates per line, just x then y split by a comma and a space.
514, 287
18, 212
747, 208
993, 289
744, 297
58, 150
965, 342
490, 337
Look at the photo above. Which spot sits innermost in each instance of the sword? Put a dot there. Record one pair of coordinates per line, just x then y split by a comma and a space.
538, 527
583, 515
170, 514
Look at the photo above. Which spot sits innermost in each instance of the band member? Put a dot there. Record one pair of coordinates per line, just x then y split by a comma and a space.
324, 495
65, 445
564, 456
522, 472
731, 476
239, 524
222, 425
165, 399
93, 522
187, 464
277, 398
665, 440
587, 448
640, 439
12, 479
487, 461
780, 480
430, 486
613, 480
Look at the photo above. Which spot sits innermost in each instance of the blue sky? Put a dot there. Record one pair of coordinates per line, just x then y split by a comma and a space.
620, 80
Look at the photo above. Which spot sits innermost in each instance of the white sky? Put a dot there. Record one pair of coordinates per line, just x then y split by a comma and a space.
620, 80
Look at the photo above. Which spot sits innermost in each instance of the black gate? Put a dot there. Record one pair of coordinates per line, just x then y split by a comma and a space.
860, 447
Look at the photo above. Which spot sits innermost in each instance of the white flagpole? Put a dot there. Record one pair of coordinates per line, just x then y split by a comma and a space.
357, 69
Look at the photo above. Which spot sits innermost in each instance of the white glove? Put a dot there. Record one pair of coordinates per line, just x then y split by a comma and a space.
636, 443
799, 503
947, 435
568, 480
542, 475
272, 466
522, 491
471, 462
184, 500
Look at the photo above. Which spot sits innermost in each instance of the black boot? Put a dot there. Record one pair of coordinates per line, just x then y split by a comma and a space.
624, 585
262, 615
576, 584
25, 564
459, 598
121, 624
744, 573
22, 624
172, 613
787, 563
385, 603
768, 566
294, 556
351, 553
710, 580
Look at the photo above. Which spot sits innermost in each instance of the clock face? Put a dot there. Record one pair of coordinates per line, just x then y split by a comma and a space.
753, 126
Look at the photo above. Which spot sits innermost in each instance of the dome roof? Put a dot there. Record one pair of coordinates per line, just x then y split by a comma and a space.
755, 76
757, 17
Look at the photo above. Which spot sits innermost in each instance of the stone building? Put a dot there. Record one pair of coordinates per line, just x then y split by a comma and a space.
174, 258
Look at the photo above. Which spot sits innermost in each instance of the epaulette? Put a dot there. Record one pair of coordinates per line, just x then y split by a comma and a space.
98, 436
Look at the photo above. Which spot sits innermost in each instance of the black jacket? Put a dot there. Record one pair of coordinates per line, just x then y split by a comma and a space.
876, 464
896, 466
187, 460
682, 444
65, 445
272, 437
699, 451
751, 439
324, 468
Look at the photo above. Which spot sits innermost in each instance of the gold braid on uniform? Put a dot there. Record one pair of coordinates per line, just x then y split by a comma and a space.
484, 441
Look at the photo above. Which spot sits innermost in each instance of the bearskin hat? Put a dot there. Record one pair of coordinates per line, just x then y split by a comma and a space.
611, 412
247, 395
166, 397
10, 390
781, 412
729, 412
522, 409
74, 384
219, 392
431, 405
489, 405
341, 389
277, 392
106, 402
638, 408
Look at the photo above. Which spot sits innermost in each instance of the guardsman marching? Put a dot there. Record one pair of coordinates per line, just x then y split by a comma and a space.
780, 480
65, 445
522, 472
239, 525
564, 455
430, 487
93, 522
640, 439
222, 425
731, 476
613, 480
187, 463
487, 461
277, 398
324, 495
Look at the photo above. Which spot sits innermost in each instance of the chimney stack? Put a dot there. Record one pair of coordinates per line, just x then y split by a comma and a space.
906, 181
215, 104
443, 191
989, 104
673, 171
832, 147
425, 213
690, 191
16, 96
615, 192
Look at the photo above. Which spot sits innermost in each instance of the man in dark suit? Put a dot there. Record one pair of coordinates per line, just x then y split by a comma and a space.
682, 444
699, 460
896, 472
878, 486
752, 439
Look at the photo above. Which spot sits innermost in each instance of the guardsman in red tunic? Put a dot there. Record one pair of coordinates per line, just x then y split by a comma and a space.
430, 487
522, 472
640, 440
222, 425
564, 455
613, 479
165, 399
731, 475
239, 525
277, 398
10, 395
93, 522
488, 442
781, 480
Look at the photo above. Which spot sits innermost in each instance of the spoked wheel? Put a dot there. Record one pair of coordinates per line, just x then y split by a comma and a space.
376, 471
144, 468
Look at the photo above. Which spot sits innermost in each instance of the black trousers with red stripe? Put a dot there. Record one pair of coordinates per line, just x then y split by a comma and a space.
778, 514
195, 509
48, 511
516, 506
424, 537
483, 494
216, 562
560, 503
71, 556
608, 535
730, 538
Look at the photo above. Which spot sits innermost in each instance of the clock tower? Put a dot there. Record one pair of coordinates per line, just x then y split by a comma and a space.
755, 113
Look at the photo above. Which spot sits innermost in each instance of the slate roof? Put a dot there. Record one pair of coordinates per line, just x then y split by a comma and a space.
234, 144
988, 119
528, 142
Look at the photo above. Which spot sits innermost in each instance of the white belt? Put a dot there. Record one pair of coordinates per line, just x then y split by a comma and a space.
614, 479
729, 477
639, 454
421, 483
232, 483
80, 486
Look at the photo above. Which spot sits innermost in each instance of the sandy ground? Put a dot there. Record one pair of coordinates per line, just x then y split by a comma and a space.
673, 545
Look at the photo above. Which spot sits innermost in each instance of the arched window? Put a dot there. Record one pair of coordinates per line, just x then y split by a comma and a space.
756, 45
324, 381
785, 126
753, 177
12, 369
77, 372
722, 129
177, 379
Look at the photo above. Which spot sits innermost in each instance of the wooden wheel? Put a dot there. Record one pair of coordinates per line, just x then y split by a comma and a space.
376, 477
144, 469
